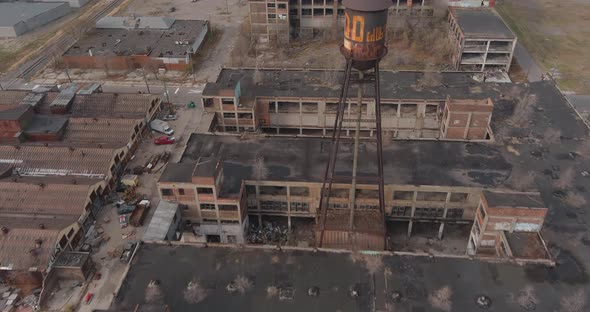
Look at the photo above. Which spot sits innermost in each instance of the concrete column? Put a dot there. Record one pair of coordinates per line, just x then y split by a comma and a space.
410, 229
300, 117
440, 230
289, 207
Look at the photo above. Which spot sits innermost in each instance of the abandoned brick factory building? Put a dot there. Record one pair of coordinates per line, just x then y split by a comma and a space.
303, 103
450, 185
279, 20
61, 152
126, 43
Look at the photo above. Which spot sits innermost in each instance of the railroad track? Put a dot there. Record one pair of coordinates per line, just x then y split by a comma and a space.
31, 67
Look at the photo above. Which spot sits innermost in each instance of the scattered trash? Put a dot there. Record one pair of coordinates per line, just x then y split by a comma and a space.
396, 296
286, 293
483, 301
313, 291
354, 291
269, 233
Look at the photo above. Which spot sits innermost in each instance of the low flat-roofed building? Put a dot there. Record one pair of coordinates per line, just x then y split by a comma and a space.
165, 224
481, 40
122, 43
19, 17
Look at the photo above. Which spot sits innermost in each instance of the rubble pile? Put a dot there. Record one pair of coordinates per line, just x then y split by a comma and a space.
268, 234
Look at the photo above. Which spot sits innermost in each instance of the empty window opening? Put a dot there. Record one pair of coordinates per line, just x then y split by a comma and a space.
204, 190
431, 196
272, 190
227, 101
207, 206
403, 195
408, 110
299, 191
459, 197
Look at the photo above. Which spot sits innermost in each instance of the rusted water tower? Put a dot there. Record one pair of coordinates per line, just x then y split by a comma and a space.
363, 48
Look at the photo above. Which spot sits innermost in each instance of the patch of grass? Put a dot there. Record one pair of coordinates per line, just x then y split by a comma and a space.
556, 35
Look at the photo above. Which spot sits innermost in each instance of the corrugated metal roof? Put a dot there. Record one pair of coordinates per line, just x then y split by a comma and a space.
19, 251
161, 221
104, 132
58, 161
43, 200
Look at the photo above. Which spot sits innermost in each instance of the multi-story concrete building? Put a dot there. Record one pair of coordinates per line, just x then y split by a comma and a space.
481, 40
272, 20
303, 103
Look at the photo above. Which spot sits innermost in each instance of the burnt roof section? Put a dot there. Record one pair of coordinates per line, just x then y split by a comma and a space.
422, 162
326, 84
512, 199
481, 23
174, 42
179, 172
304, 159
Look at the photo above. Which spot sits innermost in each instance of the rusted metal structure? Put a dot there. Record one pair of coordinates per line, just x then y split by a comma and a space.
363, 48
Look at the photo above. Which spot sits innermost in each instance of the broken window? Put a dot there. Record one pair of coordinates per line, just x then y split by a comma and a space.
288, 107
429, 212
272, 190
455, 213
431, 196
245, 115
273, 205
337, 206
458, 197
229, 115
299, 191
180, 191
409, 110
299, 206
204, 190
306, 12
339, 193
270, 5
227, 101
318, 2
272, 107
370, 194
228, 207
167, 192
282, 6
309, 107
331, 108
401, 211
403, 195
431, 110
207, 206
389, 109
329, 12
318, 12
208, 102
366, 207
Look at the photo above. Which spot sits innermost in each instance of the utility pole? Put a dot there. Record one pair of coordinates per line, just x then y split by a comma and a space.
146, 83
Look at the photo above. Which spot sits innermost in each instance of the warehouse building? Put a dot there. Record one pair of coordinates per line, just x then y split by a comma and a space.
17, 18
441, 106
124, 43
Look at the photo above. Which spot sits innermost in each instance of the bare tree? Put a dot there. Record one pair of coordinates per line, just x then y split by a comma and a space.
575, 302
153, 292
441, 299
194, 292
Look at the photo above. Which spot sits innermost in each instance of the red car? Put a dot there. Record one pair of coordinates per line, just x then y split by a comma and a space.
163, 140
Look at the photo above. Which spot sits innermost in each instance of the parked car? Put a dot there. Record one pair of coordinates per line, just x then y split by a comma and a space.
163, 140
170, 117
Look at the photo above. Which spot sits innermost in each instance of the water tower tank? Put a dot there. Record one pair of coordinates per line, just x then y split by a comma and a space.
364, 32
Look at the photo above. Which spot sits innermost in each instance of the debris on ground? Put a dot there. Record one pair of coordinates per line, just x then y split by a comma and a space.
240, 284
269, 233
